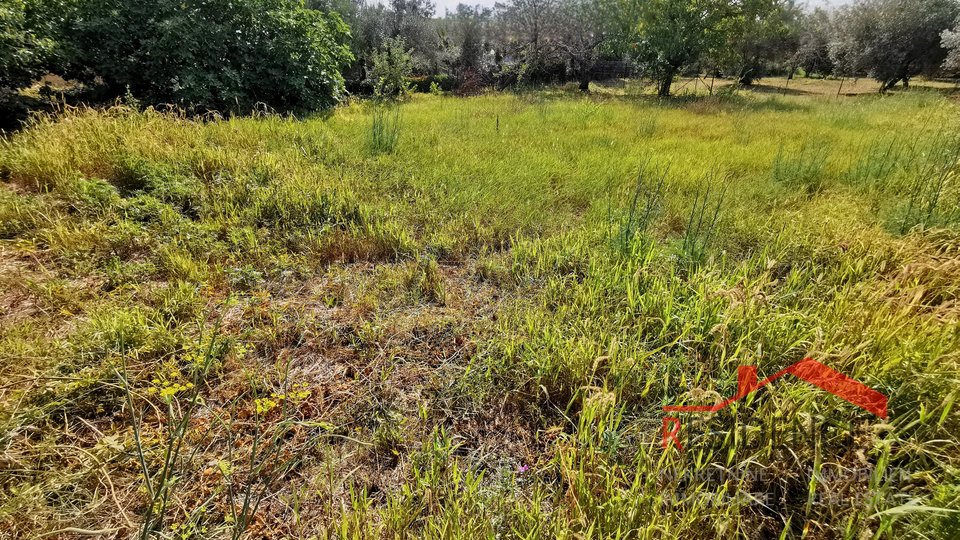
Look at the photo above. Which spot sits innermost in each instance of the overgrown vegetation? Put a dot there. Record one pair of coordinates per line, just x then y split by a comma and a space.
258, 327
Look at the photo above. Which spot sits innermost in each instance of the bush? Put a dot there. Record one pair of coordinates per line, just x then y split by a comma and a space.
443, 82
392, 66
227, 55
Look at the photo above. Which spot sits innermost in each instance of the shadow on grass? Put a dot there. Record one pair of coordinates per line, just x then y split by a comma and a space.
16, 108
778, 90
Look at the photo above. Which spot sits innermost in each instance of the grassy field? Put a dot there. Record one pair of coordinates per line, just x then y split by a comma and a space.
462, 319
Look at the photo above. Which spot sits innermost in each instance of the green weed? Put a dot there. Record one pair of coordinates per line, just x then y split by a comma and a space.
385, 128
803, 168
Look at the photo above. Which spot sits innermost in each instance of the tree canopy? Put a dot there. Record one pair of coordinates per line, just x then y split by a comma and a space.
26, 44
891, 40
673, 34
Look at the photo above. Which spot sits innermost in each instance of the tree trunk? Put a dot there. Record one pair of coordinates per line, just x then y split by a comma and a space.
888, 85
585, 83
663, 86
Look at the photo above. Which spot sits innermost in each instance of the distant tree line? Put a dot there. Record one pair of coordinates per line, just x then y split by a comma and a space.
299, 55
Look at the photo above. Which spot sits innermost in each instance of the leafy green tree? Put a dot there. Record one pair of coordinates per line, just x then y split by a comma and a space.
892, 40
412, 20
758, 33
211, 54
26, 44
370, 23
392, 67
673, 34
528, 31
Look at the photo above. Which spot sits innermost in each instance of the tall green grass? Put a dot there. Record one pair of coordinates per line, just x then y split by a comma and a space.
473, 332
385, 128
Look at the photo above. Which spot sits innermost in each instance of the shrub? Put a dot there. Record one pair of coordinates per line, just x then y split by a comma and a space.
211, 54
392, 66
427, 83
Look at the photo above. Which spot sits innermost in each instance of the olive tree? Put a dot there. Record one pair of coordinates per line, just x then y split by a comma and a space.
528, 32
813, 47
582, 28
468, 31
892, 40
369, 24
950, 40
412, 20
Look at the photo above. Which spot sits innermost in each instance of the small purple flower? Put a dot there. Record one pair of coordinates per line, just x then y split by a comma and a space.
523, 469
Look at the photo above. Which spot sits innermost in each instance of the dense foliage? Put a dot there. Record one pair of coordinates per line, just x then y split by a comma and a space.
673, 34
892, 40
392, 66
25, 48
759, 34
211, 54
